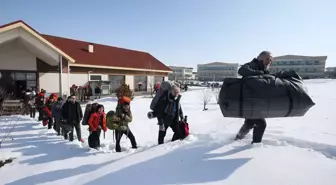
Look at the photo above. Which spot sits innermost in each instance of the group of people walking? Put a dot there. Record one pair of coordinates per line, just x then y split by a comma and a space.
65, 116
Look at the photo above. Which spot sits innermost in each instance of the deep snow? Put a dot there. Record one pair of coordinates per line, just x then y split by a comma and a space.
294, 151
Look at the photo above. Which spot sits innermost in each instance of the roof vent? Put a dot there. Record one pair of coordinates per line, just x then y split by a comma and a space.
90, 49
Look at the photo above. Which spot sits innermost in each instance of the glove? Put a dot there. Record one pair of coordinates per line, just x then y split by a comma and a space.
162, 128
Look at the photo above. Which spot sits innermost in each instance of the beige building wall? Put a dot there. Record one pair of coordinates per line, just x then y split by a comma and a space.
65, 84
49, 82
129, 80
78, 79
150, 83
14, 56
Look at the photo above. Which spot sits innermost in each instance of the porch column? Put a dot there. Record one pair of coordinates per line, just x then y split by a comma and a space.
60, 76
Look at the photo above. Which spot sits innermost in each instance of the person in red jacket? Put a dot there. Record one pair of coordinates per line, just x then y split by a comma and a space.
97, 120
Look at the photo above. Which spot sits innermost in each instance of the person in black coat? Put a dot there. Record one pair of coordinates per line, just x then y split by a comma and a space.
258, 66
169, 114
72, 115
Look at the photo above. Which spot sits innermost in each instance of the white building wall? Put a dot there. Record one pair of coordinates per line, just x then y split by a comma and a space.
150, 83
49, 82
65, 85
16, 57
35, 43
129, 80
78, 79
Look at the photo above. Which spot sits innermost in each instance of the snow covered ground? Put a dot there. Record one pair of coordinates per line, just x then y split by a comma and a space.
300, 151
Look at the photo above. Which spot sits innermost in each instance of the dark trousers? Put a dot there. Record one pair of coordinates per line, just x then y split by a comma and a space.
76, 126
50, 122
57, 125
258, 125
98, 95
40, 111
177, 133
129, 134
32, 111
94, 139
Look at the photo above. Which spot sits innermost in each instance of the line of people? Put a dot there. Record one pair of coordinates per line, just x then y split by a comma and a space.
122, 117
65, 117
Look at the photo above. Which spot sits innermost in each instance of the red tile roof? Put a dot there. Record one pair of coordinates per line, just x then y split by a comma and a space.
102, 55
106, 55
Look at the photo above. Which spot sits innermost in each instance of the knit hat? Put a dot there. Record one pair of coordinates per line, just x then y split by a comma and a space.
100, 106
126, 100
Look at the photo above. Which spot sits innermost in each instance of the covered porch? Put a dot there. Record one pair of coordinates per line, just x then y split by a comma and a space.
27, 60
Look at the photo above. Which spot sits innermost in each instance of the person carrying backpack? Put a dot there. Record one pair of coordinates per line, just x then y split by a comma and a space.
39, 102
71, 116
122, 117
56, 112
97, 123
169, 112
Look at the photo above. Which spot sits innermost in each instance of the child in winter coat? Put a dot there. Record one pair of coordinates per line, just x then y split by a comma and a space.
47, 116
97, 122
122, 117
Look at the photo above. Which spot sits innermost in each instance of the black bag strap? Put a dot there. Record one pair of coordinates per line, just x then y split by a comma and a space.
241, 99
290, 97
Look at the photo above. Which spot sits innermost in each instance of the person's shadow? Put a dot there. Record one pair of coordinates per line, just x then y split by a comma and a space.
187, 165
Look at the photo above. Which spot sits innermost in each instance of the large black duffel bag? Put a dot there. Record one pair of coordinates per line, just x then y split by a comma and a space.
265, 96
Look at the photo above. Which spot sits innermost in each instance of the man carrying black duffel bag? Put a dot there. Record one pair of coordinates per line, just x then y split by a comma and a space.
258, 66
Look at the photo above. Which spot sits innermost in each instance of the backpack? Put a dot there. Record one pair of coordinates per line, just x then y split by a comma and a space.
109, 124
89, 109
112, 125
164, 87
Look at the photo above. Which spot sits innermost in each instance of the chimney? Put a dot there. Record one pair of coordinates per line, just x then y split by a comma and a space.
90, 49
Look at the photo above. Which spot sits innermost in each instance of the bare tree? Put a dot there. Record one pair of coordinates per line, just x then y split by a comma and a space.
206, 97
217, 90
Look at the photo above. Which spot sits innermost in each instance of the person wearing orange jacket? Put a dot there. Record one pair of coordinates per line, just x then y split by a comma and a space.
97, 122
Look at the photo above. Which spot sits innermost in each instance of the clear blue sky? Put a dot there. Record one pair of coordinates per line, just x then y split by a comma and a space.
188, 32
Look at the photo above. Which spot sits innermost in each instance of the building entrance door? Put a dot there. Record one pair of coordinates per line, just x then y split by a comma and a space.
21, 86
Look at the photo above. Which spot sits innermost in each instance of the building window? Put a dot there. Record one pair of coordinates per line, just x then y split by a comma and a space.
116, 81
95, 77
317, 62
309, 62
31, 83
20, 76
31, 76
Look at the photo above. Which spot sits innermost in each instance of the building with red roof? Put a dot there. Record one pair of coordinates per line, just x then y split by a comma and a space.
29, 59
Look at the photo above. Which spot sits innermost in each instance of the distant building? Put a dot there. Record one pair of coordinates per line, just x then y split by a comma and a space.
330, 72
180, 73
194, 76
217, 71
305, 66
330, 69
